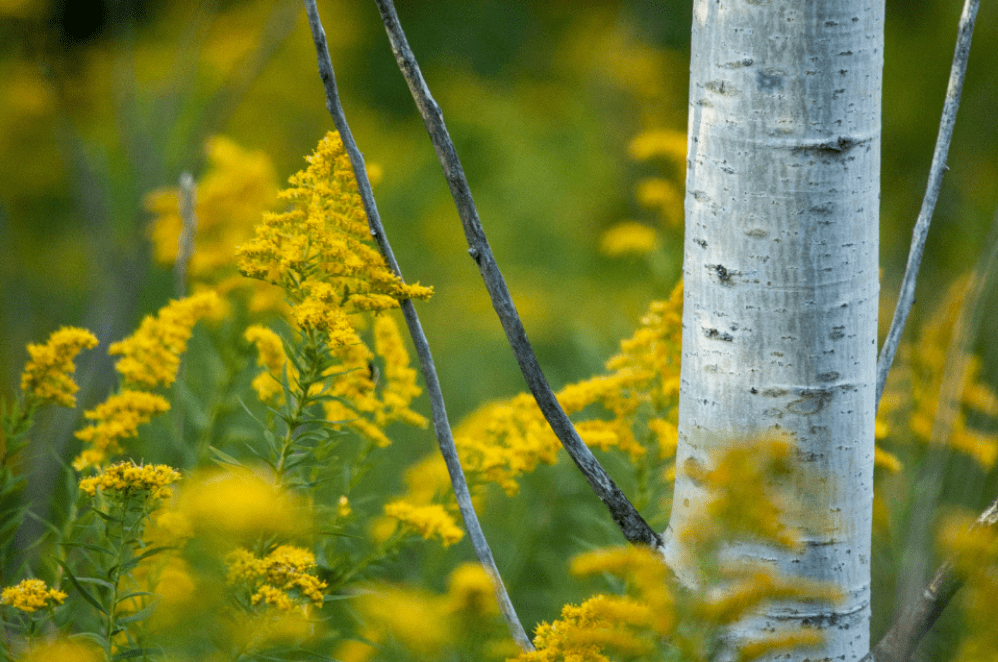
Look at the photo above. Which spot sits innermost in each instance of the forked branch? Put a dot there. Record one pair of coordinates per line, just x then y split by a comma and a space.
440, 423
906, 299
633, 526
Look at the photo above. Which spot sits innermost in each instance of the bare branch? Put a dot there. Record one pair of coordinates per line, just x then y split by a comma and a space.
440, 423
957, 74
900, 642
633, 526
185, 243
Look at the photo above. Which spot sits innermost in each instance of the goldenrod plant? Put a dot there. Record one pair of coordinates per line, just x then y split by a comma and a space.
258, 484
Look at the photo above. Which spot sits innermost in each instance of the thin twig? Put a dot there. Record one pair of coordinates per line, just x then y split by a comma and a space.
189, 229
958, 72
440, 422
633, 526
900, 642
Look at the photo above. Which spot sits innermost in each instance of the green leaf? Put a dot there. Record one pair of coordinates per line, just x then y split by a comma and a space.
135, 652
131, 563
91, 636
140, 615
98, 581
84, 592
134, 594
223, 458
88, 546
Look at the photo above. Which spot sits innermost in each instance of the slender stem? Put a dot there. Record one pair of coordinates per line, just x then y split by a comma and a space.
441, 425
958, 72
633, 526
903, 637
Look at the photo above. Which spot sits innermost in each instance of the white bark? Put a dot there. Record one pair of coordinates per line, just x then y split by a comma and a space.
781, 283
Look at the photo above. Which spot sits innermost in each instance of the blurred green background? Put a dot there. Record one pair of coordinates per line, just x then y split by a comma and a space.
103, 102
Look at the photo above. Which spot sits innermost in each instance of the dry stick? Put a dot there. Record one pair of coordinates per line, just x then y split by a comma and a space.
440, 423
958, 72
189, 229
900, 642
633, 526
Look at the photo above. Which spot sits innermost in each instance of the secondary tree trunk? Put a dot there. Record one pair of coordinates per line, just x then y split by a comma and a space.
781, 279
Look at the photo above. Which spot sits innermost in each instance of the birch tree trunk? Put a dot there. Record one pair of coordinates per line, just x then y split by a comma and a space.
781, 279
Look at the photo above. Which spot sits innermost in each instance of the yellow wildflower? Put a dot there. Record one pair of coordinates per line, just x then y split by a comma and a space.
400, 380
272, 358
351, 650
469, 590
415, 618
151, 356
271, 578
801, 638
663, 196
366, 401
659, 142
886, 461
343, 508
585, 631
325, 237
735, 510
48, 376
628, 238
114, 420
646, 574
62, 650
429, 521
31, 595
913, 400
240, 504
502, 440
237, 187
129, 478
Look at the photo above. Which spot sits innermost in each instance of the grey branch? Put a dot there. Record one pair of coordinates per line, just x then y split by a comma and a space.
900, 642
633, 526
189, 229
957, 74
440, 423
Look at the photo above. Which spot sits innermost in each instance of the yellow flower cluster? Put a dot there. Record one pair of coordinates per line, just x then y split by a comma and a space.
362, 401
237, 504
272, 359
321, 251
734, 509
114, 420
469, 591
129, 478
31, 595
151, 356
640, 392
413, 617
662, 194
583, 632
426, 623
429, 521
238, 186
64, 650
628, 238
48, 375
650, 612
914, 391
646, 574
274, 578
